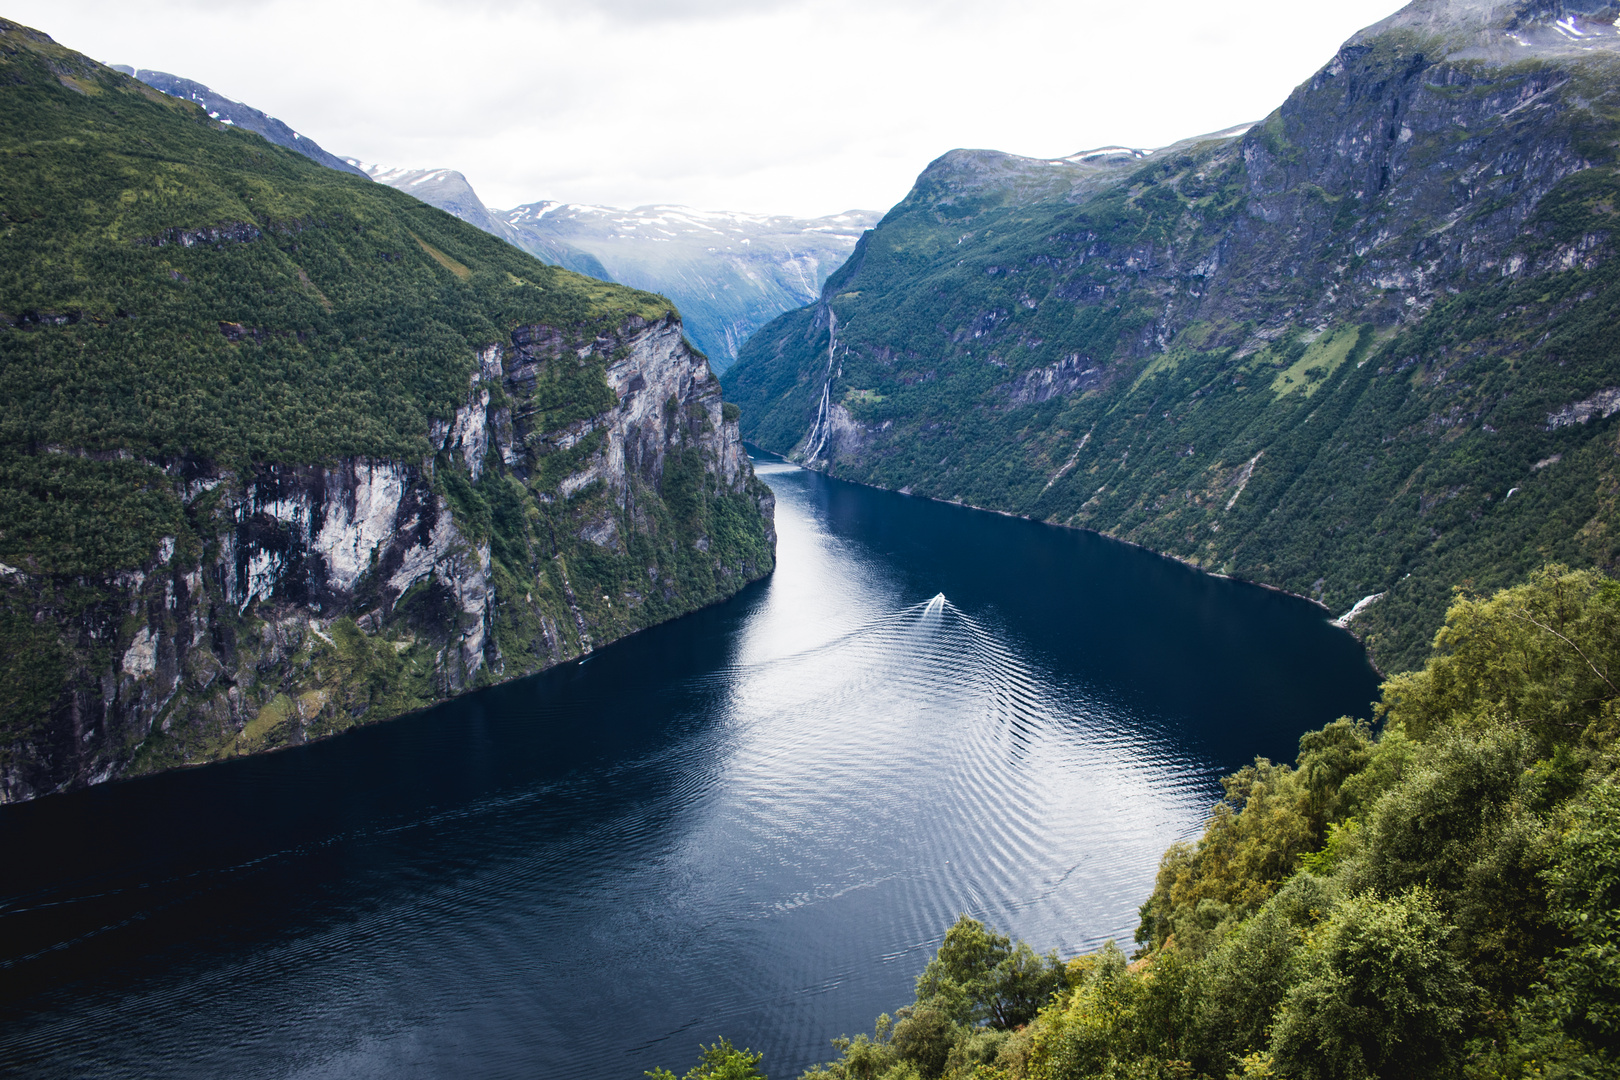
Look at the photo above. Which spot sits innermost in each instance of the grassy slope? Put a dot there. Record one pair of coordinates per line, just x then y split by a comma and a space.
1388, 444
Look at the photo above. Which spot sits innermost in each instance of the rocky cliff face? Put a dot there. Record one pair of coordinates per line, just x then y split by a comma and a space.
312, 598
1323, 351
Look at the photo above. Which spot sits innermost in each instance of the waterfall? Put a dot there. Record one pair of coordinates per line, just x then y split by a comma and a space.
823, 425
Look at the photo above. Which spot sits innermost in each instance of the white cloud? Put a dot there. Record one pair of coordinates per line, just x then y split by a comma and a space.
796, 106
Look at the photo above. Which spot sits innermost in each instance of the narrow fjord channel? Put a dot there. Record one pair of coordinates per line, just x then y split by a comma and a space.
756, 821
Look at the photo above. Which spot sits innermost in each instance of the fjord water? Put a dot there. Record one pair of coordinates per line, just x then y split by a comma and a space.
756, 821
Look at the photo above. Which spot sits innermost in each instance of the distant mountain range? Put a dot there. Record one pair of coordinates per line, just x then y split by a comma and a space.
728, 273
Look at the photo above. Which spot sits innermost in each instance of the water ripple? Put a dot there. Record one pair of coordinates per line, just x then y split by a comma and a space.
587, 873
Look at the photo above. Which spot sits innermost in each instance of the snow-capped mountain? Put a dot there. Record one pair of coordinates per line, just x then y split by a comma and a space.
729, 273
445, 188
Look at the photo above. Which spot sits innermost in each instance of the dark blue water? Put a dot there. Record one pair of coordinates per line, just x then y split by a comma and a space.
756, 821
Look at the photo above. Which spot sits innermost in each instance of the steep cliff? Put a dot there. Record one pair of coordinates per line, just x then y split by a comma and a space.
283, 450
1360, 349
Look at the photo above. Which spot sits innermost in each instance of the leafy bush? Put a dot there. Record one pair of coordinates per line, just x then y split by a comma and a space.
722, 1061
1384, 994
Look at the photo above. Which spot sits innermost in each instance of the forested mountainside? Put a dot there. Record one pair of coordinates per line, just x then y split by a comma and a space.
1364, 348
1438, 900
283, 450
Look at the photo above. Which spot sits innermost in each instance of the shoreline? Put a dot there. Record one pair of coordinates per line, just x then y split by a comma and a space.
1343, 622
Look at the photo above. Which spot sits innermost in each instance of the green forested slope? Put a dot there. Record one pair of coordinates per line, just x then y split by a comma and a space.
171, 287
229, 377
1365, 347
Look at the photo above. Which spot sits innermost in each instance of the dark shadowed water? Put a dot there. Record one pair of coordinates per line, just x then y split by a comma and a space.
756, 821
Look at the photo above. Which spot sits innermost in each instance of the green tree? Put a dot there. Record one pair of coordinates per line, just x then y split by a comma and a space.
865, 1057
980, 977
923, 1036
1585, 895
722, 1061
1253, 842
1386, 996
1095, 1026
1246, 979
1543, 656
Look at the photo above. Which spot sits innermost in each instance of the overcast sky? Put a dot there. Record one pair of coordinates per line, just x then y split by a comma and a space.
786, 106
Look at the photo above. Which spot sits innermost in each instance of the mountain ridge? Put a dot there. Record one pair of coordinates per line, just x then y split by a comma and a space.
235, 113
450, 191
728, 272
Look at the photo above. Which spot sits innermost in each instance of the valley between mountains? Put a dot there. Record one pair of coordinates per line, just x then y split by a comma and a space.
729, 273
291, 444
1360, 350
